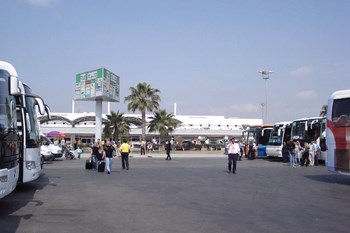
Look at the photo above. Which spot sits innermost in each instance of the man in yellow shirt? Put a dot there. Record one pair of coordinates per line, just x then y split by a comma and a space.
143, 144
124, 151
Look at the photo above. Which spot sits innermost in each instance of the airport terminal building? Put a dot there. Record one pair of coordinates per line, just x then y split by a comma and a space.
193, 127
101, 85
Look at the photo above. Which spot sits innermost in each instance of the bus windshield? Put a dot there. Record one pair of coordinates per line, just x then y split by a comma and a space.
7, 106
341, 112
32, 129
276, 136
45, 140
298, 130
259, 134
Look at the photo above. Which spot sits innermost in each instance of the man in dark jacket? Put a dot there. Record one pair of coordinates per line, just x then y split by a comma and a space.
168, 149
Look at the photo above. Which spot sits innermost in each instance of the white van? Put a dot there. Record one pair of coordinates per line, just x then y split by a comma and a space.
56, 150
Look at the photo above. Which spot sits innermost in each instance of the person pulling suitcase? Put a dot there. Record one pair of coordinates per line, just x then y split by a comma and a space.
101, 155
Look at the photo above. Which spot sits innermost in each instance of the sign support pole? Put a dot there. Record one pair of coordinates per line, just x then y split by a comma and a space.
98, 121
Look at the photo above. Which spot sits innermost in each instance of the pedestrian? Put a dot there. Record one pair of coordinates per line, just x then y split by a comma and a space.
101, 155
297, 151
285, 152
168, 149
94, 153
78, 151
143, 145
63, 145
240, 150
312, 152
75, 144
251, 150
233, 151
291, 152
305, 155
317, 149
124, 151
109, 150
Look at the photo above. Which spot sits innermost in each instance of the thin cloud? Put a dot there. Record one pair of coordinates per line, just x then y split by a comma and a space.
246, 108
307, 94
302, 72
41, 2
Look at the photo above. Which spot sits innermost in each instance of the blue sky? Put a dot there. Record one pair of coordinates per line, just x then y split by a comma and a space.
203, 55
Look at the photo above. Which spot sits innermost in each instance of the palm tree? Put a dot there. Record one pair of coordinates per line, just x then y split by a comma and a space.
143, 98
163, 123
118, 125
323, 111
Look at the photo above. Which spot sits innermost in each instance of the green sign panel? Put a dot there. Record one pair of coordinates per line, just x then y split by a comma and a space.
100, 84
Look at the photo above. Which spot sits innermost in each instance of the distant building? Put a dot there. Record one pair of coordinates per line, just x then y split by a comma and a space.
82, 126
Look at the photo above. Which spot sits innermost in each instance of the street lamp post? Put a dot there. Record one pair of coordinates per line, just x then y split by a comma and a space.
265, 75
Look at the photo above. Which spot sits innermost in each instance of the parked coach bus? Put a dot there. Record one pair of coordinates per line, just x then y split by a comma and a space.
338, 132
308, 129
19, 131
9, 141
281, 132
27, 105
259, 134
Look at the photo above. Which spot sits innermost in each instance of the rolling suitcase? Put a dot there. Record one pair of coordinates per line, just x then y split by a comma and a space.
101, 166
88, 164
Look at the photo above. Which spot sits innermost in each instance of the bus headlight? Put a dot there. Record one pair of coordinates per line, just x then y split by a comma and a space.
30, 165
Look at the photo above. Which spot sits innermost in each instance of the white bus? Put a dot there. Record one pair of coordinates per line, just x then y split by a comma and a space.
308, 129
281, 132
259, 134
27, 105
19, 131
9, 141
338, 132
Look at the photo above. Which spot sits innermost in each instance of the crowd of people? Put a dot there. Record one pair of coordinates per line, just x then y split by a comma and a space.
301, 155
293, 152
103, 153
298, 155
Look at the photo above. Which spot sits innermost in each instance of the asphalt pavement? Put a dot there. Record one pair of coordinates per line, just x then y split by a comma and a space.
190, 193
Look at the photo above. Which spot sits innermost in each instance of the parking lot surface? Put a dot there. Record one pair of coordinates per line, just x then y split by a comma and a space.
186, 194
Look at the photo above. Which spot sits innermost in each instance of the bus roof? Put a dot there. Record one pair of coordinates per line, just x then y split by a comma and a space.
308, 118
9, 68
283, 123
261, 125
340, 94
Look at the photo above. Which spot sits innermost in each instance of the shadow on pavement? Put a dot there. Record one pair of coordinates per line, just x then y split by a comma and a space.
20, 197
331, 178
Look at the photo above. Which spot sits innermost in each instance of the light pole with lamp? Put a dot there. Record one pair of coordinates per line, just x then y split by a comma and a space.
265, 75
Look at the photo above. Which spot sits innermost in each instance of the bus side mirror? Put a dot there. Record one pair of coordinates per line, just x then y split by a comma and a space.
48, 112
41, 105
14, 86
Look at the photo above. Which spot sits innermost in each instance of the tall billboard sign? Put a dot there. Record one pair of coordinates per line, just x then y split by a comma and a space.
100, 84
